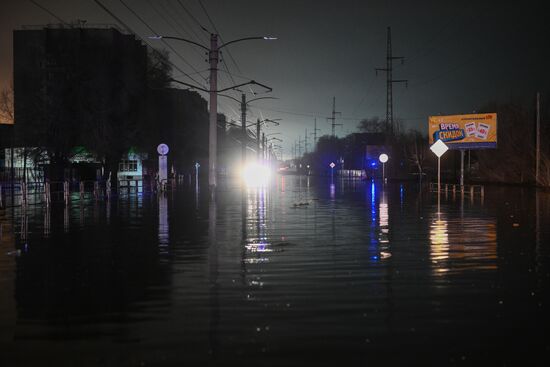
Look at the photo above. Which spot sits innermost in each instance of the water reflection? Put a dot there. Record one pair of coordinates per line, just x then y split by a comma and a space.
379, 222
163, 230
255, 224
347, 272
466, 242
8, 306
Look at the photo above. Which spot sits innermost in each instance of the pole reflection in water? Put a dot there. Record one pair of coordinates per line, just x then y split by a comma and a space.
461, 243
47, 221
164, 230
214, 290
379, 223
197, 191
24, 225
383, 224
8, 306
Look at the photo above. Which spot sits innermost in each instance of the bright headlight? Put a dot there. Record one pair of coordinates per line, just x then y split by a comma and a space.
255, 175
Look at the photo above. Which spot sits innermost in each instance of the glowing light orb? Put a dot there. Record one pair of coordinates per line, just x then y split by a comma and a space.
383, 158
255, 175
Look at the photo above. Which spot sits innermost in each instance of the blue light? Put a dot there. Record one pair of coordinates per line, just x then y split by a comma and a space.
373, 164
374, 257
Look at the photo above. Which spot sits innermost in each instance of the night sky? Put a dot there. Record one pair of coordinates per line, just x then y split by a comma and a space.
458, 55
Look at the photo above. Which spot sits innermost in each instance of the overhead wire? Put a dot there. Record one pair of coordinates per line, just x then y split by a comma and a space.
170, 24
49, 12
162, 40
131, 31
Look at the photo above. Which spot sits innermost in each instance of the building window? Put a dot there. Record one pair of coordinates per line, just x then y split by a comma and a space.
127, 166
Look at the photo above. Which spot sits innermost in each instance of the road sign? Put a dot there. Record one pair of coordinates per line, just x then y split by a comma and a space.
162, 149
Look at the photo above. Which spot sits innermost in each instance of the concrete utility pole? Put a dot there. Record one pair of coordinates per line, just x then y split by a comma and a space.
264, 147
315, 129
537, 144
258, 140
243, 129
389, 82
333, 118
213, 58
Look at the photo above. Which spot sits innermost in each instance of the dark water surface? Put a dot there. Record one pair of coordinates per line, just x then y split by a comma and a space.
304, 273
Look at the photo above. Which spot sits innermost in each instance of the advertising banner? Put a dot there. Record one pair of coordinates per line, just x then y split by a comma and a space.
474, 131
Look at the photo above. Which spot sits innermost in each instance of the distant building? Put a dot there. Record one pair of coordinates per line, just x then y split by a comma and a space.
77, 86
89, 84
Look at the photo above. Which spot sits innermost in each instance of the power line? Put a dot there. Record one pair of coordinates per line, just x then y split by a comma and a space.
151, 3
217, 32
49, 12
201, 37
221, 39
130, 31
389, 82
333, 117
193, 17
162, 40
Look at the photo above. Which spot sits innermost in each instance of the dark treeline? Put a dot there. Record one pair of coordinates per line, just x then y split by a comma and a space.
513, 162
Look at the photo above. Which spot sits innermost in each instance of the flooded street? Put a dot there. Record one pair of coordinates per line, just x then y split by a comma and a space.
306, 272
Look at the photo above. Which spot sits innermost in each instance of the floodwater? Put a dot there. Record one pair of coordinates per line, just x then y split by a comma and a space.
303, 273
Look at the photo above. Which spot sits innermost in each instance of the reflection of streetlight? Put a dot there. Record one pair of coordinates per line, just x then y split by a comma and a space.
213, 56
383, 158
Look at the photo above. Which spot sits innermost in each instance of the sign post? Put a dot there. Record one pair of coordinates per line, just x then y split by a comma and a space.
383, 158
439, 148
162, 150
461, 132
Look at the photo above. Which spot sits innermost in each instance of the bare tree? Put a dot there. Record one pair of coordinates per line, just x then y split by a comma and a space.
6, 105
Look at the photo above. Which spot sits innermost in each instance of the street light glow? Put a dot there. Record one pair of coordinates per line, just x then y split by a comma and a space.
383, 158
255, 175
269, 38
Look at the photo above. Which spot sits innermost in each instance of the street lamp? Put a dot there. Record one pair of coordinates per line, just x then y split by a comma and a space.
383, 158
213, 57
332, 165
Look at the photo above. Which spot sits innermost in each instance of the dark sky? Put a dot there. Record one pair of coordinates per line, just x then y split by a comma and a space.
458, 55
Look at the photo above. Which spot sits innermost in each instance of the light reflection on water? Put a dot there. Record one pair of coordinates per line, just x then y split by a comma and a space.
277, 271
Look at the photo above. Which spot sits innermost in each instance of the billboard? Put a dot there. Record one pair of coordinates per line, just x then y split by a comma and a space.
474, 131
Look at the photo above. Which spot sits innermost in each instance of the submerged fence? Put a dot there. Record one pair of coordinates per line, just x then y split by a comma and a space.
471, 190
48, 192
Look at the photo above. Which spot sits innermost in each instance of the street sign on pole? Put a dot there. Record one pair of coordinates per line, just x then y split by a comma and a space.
383, 158
439, 148
163, 149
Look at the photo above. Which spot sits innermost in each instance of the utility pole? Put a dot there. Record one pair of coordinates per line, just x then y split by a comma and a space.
258, 140
264, 146
389, 83
333, 118
537, 164
243, 129
315, 129
213, 58
305, 142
